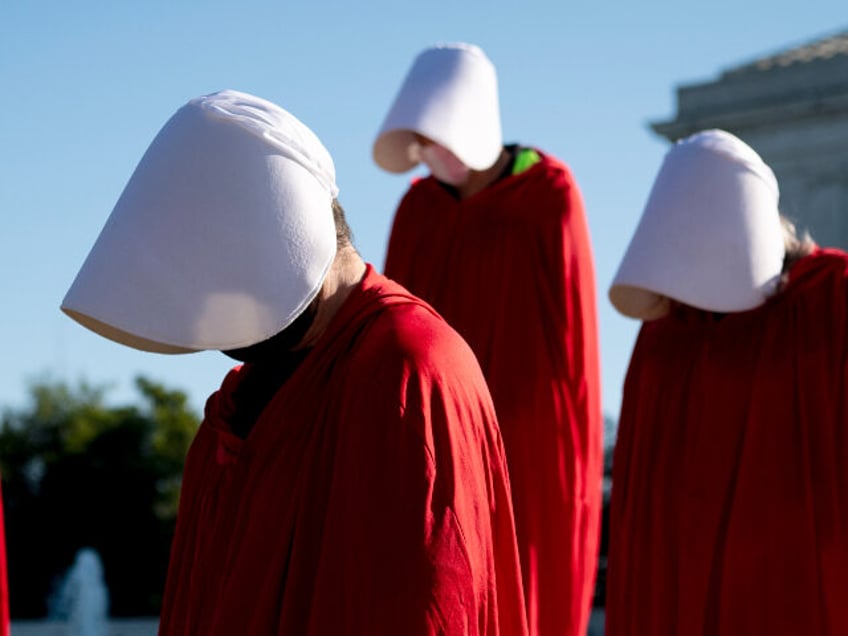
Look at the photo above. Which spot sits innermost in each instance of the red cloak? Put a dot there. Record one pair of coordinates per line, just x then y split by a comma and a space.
730, 488
370, 497
511, 269
4, 585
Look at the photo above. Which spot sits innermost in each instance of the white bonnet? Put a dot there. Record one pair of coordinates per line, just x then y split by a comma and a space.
450, 96
222, 236
710, 235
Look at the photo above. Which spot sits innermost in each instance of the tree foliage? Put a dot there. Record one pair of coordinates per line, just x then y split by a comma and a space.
77, 473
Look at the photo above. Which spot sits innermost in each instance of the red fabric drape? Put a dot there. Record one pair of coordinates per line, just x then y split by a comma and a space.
4, 585
371, 496
730, 489
511, 269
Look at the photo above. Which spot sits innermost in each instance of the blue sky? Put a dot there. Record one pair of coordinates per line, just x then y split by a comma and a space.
87, 85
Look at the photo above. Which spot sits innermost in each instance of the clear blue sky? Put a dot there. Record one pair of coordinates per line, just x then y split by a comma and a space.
87, 85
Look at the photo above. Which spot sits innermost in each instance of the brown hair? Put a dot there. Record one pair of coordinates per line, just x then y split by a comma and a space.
797, 247
344, 235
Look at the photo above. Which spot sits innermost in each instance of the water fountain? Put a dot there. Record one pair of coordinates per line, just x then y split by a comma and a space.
83, 597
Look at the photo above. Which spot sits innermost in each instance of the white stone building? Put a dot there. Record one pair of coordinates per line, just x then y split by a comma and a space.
792, 107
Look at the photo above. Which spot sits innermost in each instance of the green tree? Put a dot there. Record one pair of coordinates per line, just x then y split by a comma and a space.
76, 473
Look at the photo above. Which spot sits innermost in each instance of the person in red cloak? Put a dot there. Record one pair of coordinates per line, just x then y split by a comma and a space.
496, 240
349, 476
730, 500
